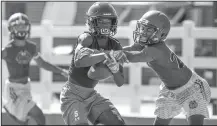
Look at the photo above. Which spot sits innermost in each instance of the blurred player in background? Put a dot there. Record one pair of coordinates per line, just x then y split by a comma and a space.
181, 87
79, 100
18, 54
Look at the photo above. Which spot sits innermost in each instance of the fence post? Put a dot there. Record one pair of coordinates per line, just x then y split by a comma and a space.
135, 77
5, 41
188, 43
46, 76
5, 33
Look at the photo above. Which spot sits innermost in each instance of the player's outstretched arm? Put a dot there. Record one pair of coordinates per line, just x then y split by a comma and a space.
139, 56
48, 66
133, 47
134, 53
85, 56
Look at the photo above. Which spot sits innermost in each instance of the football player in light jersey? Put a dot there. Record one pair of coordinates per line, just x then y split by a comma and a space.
17, 55
181, 87
79, 100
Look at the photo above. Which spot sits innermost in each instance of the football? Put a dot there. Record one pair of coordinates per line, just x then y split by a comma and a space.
99, 72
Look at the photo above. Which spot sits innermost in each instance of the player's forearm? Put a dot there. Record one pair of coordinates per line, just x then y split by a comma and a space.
50, 67
133, 56
127, 48
90, 60
118, 78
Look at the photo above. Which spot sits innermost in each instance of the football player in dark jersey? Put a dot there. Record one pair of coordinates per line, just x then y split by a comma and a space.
17, 55
181, 87
79, 100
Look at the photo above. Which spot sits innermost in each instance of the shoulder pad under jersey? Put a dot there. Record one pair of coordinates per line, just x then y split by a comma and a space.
8, 45
31, 42
114, 39
85, 39
116, 44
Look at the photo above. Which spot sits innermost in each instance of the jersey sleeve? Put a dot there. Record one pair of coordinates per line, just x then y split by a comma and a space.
4, 53
35, 50
119, 46
116, 44
133, 47
84, 42
36, 55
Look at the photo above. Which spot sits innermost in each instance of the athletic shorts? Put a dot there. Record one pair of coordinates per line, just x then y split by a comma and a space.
192, 99
80, 105
18, 99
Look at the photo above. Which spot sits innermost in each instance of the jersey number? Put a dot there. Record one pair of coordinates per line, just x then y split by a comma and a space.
174, 58
76, 116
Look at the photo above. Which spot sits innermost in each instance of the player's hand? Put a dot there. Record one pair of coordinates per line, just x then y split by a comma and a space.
65, 73
119, 55
112, 64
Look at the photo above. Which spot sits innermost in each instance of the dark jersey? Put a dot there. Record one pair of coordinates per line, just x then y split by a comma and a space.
79, 75
18, 58
170, 69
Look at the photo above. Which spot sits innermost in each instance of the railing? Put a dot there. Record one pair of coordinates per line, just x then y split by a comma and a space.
129, 94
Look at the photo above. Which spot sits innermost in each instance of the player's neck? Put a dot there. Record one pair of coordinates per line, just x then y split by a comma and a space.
19, 42
102, 41
102, 37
